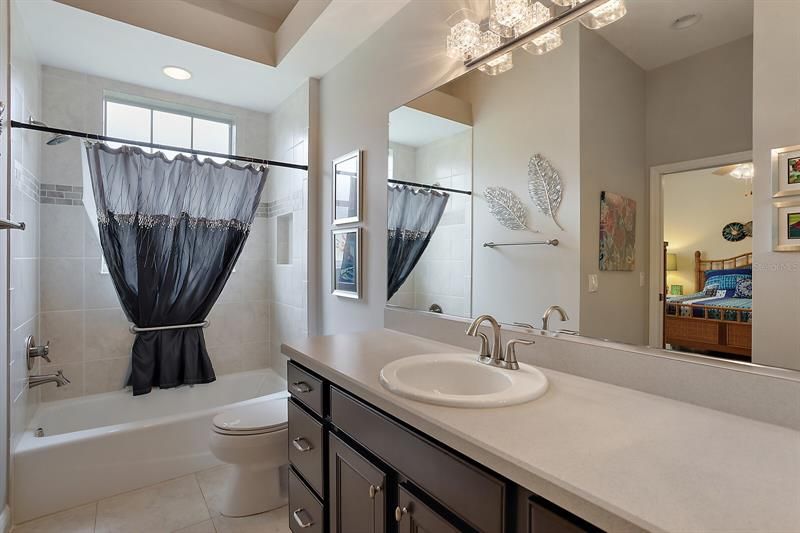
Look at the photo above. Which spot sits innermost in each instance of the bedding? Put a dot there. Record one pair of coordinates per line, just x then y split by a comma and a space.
722, 298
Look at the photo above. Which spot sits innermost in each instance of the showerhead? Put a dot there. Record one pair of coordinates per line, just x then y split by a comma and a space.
55, 139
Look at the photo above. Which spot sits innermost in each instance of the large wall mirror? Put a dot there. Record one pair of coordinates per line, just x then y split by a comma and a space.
638, 136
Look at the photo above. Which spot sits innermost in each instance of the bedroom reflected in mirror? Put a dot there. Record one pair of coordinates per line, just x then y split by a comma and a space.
708, 259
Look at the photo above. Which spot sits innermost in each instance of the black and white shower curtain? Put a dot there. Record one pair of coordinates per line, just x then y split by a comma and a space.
414, 214
171, 232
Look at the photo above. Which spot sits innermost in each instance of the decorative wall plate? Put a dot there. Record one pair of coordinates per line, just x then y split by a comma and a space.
734, 232
748, 228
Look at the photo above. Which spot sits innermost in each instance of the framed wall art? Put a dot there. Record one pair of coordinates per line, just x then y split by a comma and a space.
347, 188
786, 171
786, 226
346, 259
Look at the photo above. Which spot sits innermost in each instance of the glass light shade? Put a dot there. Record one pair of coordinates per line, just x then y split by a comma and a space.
537, 15
491, 41
672, 262
464, 39
745, 171
506, 14
611, 11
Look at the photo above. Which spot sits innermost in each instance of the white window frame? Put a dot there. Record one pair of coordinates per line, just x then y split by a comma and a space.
166, 107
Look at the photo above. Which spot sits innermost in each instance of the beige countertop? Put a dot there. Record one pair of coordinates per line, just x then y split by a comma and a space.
620, 458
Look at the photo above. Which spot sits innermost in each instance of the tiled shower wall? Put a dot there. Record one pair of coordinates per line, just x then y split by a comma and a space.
443, 274
81, 315
24, 264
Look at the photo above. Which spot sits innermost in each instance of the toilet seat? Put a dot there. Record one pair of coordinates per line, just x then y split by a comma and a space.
256, 419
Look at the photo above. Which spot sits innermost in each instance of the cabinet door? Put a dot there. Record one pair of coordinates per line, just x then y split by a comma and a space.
357, 491
536, 515
413, 516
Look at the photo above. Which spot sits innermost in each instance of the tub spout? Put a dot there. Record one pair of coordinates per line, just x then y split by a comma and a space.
57, 378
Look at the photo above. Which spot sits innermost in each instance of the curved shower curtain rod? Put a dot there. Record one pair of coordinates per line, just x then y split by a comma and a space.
96, 137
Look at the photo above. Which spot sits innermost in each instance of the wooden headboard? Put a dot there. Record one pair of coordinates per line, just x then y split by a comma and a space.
702, 265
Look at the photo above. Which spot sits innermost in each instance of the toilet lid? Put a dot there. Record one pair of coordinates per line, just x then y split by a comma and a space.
261, 417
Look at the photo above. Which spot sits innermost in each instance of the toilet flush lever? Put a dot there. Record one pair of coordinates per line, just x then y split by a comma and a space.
302, 444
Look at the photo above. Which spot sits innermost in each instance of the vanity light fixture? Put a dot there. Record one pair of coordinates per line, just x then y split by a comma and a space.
464, 39
490, 41
176, 73
514, 22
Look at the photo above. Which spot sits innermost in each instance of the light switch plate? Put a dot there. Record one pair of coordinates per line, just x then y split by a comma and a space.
641, 279
594, 284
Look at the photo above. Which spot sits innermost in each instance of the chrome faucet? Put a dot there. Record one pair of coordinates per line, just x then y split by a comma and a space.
548, 311
57, 378
497, 348
507, 360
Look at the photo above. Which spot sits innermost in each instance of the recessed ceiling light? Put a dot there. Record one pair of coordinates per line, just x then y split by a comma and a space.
686, 21
176, 73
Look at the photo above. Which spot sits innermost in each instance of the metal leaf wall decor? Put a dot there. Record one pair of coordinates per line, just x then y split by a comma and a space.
544, 187
506, 207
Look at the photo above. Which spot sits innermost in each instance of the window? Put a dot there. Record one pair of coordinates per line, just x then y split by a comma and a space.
154, 124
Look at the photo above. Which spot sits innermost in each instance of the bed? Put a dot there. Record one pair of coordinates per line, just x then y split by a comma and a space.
717, 319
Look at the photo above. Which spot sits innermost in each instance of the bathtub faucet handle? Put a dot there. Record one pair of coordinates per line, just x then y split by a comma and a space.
32, 351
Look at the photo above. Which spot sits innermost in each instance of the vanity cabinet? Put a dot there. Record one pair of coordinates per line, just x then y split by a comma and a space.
357, 491
356, 469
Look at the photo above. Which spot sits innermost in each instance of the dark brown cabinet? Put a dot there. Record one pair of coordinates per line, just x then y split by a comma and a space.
356, 469
413, 516
357, 491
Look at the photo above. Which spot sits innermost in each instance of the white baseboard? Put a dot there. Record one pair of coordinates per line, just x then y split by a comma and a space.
5, 520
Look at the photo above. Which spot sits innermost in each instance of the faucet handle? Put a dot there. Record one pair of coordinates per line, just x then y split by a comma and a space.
510, 358
485, 355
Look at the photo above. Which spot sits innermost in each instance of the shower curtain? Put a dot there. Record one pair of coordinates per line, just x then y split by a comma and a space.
414, 215
171, 232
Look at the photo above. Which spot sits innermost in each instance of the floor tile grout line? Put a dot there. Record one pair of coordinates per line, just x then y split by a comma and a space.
96, 508
205, 500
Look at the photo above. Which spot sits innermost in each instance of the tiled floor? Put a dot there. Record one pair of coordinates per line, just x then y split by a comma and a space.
187, 504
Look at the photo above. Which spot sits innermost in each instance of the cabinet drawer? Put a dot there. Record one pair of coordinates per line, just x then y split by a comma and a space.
305, 510
305, 388
306, 446
467, 491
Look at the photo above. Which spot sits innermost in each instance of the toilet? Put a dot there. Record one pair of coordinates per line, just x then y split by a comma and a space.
252, 438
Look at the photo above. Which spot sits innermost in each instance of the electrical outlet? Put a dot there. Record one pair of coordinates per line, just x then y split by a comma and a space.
594, 284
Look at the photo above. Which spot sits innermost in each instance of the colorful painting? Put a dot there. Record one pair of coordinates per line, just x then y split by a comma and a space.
617, 232
793, 225
794, 170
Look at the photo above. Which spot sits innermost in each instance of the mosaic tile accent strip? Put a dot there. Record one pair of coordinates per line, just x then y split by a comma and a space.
51, 193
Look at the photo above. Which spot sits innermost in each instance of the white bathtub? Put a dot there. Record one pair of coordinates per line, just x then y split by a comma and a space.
100, 445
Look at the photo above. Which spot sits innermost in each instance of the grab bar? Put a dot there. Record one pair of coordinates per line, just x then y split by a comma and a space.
135, 329
10, 224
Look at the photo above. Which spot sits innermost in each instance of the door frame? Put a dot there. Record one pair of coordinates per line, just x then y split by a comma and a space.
656, 288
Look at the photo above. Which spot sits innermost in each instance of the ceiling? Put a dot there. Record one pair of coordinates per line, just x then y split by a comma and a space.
645, 35
70, 38
267, 14
415, 128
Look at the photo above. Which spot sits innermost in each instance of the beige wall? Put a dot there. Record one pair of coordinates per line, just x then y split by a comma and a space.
701, 106
612, 150
403, 60
515, 116
776, 276
697, 205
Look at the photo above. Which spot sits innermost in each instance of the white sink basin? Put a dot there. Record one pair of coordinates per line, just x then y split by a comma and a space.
460, 380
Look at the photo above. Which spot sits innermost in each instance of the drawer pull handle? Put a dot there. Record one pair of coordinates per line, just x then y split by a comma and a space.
299, 519
399, 512
300, 387
301, 444
373, 490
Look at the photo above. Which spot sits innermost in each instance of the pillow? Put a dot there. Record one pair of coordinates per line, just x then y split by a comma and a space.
710, 289
727, 279
741, 270
744, 288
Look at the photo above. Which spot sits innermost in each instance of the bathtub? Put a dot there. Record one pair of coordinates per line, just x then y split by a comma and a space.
104, 444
